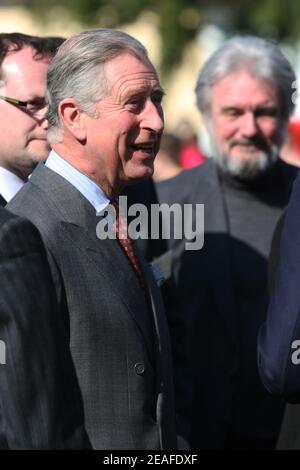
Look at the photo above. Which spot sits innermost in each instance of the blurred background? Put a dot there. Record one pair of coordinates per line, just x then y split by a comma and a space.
179, 35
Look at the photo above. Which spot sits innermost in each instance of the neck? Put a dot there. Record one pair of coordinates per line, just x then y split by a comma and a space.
85, 166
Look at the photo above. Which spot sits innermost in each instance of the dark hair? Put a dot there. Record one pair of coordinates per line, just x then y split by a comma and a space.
42, 46
52, 43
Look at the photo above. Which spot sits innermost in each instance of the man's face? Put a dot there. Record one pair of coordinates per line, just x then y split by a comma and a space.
23, 135
125, 136
245, 125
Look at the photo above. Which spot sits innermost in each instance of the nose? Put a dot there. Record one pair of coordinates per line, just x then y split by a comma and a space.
44, 123
40, 116
249, 125
153, 116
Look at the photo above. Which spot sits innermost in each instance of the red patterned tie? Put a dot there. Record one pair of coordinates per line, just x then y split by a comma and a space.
126, 243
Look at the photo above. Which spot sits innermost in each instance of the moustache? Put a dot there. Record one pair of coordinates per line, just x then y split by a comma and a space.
257, 142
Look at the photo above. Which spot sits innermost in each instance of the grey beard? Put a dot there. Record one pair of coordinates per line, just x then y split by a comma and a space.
249, 169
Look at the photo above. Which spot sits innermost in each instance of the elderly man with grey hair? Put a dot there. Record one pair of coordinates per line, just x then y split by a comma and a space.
105, 123
244, 92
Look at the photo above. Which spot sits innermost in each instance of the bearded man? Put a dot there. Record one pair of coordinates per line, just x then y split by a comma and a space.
244, 93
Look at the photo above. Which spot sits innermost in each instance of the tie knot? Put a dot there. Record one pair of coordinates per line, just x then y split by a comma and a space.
120, 225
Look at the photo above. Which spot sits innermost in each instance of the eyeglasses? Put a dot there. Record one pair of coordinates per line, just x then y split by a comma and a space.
32, 107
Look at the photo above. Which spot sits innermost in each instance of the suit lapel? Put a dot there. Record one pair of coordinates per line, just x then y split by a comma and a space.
112, 264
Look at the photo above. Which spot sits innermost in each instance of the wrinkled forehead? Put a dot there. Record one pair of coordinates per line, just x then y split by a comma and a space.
128, 71
243, 88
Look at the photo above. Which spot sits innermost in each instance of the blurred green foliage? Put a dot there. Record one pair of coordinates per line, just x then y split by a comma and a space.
277, 19
179, 20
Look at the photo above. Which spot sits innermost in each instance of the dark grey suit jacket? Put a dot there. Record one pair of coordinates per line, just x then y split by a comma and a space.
40, 401
118, 335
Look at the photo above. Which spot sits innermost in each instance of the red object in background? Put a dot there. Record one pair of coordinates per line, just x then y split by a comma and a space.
294, 133
190, 156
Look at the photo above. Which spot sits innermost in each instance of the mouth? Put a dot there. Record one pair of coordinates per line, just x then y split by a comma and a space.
44, 139
256, 144
144, 148
249, 146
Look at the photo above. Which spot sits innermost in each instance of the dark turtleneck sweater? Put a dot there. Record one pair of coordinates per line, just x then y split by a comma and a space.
253, 209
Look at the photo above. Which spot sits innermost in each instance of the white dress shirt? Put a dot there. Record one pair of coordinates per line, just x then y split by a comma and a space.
10, 184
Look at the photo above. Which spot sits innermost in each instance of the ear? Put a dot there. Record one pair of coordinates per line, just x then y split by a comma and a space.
72, 118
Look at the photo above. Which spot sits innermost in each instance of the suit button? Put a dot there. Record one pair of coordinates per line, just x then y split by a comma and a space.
139, 368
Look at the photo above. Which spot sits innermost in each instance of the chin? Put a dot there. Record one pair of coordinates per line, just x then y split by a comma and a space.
251, 168
39, 152
144, 173
148, 171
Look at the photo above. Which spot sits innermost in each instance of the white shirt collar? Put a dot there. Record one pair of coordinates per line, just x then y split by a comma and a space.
10, 184
87, 187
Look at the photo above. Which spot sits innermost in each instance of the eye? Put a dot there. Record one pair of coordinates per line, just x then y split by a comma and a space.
232, 112
35, 105
135, 103
266, 112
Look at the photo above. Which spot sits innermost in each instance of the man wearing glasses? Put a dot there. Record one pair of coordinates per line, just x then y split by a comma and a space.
37, 375
24, 62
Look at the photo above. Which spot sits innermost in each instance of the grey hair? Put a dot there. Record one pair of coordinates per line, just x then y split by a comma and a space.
262, 59
77, 71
